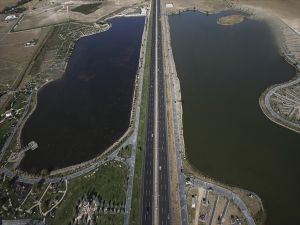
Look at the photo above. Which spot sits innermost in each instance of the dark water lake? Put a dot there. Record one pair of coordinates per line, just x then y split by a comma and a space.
223, 71
80, 115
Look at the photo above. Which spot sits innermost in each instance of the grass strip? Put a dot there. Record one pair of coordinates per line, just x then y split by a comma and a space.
135, 205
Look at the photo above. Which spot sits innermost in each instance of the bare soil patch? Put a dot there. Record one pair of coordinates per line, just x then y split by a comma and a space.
201, 5
7, 3
17, 56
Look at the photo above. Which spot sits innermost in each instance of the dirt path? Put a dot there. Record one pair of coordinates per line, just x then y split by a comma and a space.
200, 196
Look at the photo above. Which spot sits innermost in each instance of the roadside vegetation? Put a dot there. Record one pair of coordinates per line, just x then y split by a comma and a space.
136, 194
87, 8
125, 152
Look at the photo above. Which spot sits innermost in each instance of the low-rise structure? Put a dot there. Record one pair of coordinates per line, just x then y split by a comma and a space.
10, 17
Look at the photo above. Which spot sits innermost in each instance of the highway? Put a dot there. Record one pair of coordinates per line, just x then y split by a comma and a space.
156, 134
155, 200
164, 190
147, 183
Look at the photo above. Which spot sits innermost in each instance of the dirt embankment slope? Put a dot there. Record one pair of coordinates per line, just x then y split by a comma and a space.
200, 5
287, 10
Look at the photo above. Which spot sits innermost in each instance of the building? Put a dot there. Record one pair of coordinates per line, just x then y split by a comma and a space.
10, 17
169, 5
194, 201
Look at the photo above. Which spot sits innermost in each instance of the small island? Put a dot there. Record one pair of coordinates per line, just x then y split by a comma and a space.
230, 20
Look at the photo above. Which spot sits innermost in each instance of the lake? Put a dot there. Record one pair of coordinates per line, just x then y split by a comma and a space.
223, 70
80, 115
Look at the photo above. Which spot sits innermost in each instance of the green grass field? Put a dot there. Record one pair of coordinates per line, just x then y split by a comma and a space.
87, 8
109, 181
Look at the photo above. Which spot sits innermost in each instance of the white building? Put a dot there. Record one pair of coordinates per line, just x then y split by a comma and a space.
143, 11
194, 202
8, 113
10, 17
169, 5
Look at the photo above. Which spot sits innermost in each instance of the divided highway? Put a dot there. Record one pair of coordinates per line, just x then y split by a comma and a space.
155, 199
164, 190
147, 184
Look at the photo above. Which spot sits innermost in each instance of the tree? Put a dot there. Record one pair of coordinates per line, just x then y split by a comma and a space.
40, 183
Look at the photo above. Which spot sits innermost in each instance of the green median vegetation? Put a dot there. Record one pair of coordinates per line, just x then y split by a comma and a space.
136, 194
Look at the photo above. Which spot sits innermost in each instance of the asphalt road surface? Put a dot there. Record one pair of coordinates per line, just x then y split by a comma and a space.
164, 214
164, 193
147, 183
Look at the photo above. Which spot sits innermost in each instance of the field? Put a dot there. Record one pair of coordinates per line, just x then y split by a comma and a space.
17, 57
87, 8
43, 14
110, 182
